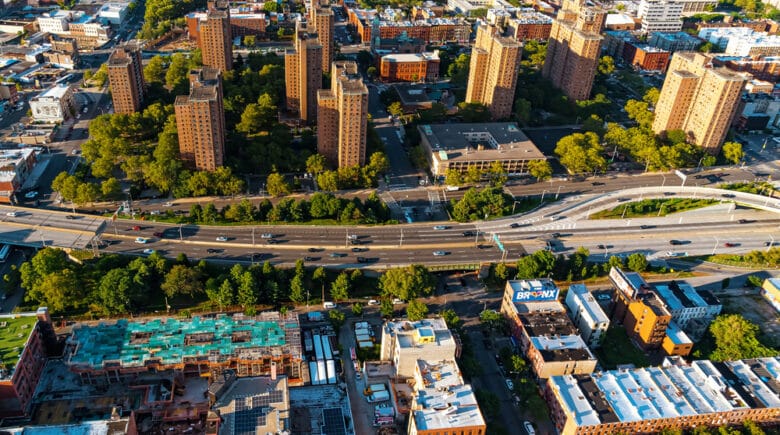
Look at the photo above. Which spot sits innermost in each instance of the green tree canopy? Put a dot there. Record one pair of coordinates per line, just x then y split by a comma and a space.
416, 310
581, 153
735, 338
407, 283
732, 151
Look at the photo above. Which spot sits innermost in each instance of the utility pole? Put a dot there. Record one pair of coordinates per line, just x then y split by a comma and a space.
181, 234
401, 242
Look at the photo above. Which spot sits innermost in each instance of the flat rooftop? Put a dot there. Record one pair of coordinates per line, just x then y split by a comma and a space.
677, 335
547, 324
588, 302
252, 404
680, 295
14, 332
449, 408
411, 57
480, 141
675, 389
56, 92
427, 332
562, 348
321, 410
439, 374
173, 341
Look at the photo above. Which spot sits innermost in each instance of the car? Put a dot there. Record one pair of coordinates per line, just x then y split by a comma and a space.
597, 183
168, 204
469, 233
529, 428
214, 250
11, 214
439, 253
148, 251
222, 239
337, 255
440, 227
601, 247
767, 243
272, 241
313, 250
359, 249
729, 244
364, 260
397, 301
675, 242
310, 258
141, 240
514, 225
373, 302
158, 234
556, 235
70, 217
31, 194
75, 152
86, 109
509, 384
645, 227
743, 221
352, 237
136, 228
266, 236
728, 195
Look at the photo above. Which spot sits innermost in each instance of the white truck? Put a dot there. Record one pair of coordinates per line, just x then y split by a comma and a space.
379, 396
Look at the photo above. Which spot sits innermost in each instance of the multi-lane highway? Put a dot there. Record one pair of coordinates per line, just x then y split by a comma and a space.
721, 228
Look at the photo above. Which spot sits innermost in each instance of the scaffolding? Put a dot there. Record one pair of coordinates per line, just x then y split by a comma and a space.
202, 346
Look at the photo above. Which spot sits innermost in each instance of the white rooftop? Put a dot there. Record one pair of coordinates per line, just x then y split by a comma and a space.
677, 335
589, 303
447, 409
411, 57
560, 342
618, 19
754, 384
439, 374
56, 92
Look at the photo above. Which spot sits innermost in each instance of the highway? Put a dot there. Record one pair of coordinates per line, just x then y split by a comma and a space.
564, 223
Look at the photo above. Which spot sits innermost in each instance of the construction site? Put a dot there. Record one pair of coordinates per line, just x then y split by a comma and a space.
118, 352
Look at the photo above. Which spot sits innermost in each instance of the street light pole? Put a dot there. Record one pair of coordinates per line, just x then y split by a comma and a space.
716, 245
401, 242
559, 191
542, 201
771, 243
181, 233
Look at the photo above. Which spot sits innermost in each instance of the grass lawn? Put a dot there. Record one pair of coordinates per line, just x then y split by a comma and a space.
14, 335
652, 207
618, 349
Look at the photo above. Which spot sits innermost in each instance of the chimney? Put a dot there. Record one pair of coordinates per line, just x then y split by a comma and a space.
273, 370
43, 315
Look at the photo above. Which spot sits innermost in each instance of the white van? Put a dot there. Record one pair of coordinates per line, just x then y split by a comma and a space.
328, 305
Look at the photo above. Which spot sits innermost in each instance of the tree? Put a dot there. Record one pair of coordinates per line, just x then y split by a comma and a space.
357, 309
606, 65
407, 283
540, 169
640, 112
154, 71
581, 153
249, 40
497, 174
223, 295
453, 177
754, 281
416, 310
732, 151
451, 319
651, 96
735, 338
110, 188
114, 291
276, 186
458, 70
177, 76
271, 6
297, 290
386, 308
336, 318
491, 318
395, 108
339, 289
316, 164
637, 262
371, 71
182, 280
473, 112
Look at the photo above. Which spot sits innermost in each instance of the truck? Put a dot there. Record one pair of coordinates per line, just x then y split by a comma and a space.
374, 388
379, 396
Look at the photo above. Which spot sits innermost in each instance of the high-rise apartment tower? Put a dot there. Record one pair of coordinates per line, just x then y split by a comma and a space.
698, 99
303, 73
200, 119
126, 78
215, 40
323, 22
573, 49
495, 61
342, 116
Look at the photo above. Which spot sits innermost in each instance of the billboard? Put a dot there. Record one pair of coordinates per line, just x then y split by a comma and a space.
535, 295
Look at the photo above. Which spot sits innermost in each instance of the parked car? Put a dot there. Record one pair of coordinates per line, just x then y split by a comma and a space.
373, 302
509, 384
529, 428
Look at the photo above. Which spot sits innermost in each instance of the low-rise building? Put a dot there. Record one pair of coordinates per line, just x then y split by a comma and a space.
761, 68
15, 167
677, 394
639, 309
620, 22
676, 342
674, 41
587, 314
23, 348
9, 92
742, 41
404, 342
371, 24
452, 410
55, 104
466, 6
416, 97
113, 13
539, 323
692, 310
645, 57
460, 146
77, 25
254, 404
243, 22
414, 67
770, 290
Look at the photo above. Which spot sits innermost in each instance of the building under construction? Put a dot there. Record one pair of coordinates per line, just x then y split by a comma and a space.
201, 346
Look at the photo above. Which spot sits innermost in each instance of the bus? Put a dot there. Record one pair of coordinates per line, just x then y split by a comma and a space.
4, 251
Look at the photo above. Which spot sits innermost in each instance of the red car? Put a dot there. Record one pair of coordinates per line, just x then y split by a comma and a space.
136, 228
729, 244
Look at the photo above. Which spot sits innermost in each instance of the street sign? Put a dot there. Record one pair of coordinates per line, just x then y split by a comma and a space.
498, 242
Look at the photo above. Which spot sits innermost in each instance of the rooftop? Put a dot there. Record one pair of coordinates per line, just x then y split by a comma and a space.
562, 348
680, 295
675, 389
101, 427
547, 324
56, 92
677, 335
14, 332
173, 341
589, 303
256, 404
320, 410
484, 141
411, 57
448, 408
441, 374
432, 331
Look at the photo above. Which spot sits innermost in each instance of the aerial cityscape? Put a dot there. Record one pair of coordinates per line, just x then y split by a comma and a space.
412, 217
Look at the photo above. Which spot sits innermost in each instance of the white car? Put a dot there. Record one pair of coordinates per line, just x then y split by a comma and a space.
148, 251
397, 301
373, 302
509, 384
31, 195
11, 214
222, 239
440, 227
529, 428
266, 236
141, 240
439, 253
168, 204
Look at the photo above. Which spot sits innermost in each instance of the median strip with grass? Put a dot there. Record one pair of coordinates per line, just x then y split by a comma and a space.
652, 207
